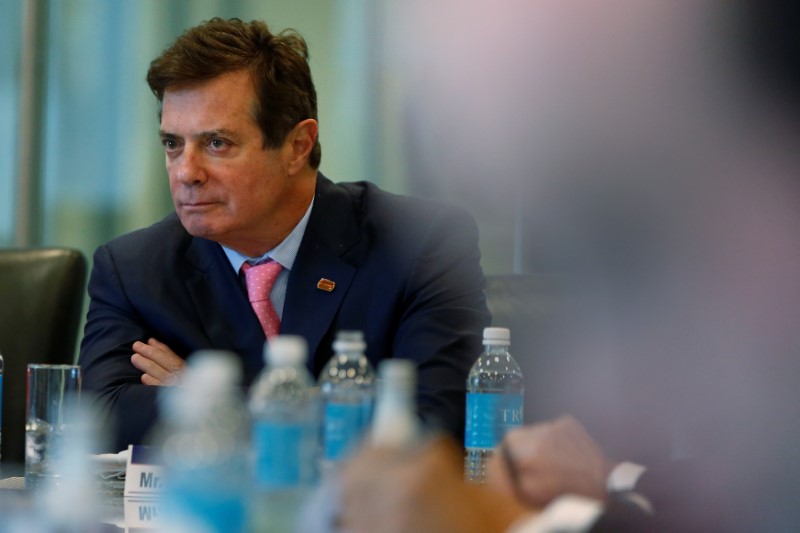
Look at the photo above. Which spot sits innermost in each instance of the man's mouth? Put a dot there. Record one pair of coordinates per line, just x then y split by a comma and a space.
197, 205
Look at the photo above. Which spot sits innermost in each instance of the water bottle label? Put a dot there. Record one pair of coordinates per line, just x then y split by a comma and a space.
489, 417
202, 499
344, 427
285, 454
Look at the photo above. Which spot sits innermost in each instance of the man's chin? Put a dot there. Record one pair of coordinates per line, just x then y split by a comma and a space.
197, 228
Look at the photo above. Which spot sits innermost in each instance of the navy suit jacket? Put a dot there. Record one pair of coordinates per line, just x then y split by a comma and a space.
407, 274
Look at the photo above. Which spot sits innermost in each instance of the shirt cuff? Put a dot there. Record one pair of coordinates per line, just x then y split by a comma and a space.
622, 481
624, 477
565, 514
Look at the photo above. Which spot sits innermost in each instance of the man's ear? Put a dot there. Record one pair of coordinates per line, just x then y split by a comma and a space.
299, 143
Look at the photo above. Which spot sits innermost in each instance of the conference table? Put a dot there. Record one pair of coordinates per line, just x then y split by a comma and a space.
24, 510
111, 511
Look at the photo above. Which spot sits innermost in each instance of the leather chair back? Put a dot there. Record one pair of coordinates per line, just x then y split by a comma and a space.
41, 302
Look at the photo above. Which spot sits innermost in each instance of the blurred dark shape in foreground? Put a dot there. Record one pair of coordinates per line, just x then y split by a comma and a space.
654, 147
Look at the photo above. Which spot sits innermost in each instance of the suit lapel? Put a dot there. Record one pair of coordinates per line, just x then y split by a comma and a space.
222, 305
332, 230
309, 311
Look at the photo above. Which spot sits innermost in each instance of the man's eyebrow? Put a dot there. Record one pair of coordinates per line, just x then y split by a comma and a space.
215, 133
220, 132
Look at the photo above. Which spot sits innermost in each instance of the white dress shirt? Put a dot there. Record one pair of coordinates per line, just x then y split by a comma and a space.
284, 253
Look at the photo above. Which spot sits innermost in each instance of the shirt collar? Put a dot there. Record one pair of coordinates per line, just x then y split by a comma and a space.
284, 253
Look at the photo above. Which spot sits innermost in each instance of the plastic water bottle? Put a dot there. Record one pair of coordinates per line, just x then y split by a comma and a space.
284, 405
495, 391
395, 423
72, 504
203, 438
348, 391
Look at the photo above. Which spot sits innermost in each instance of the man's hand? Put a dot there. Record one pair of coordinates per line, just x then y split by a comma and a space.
538, 463
388, 490
159, 364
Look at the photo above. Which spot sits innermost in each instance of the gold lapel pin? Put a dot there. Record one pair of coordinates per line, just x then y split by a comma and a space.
326, 285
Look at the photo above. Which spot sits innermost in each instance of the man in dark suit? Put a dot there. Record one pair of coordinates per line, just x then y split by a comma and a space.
238, 124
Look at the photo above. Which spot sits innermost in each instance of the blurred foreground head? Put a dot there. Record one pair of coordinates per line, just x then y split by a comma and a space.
655, 146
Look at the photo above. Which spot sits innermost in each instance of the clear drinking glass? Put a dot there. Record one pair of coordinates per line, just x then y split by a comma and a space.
47, 420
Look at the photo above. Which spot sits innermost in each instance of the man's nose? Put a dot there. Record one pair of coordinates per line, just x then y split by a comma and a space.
189, 167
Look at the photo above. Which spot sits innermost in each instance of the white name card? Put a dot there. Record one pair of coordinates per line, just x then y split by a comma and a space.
143, 479
142, 514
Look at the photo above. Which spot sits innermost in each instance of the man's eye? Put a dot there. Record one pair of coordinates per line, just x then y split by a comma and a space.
217, 144
169, 144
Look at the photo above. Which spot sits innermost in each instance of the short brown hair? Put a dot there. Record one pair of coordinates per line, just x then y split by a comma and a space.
278, 65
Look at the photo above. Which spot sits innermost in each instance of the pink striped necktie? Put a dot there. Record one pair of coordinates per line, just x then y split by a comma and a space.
259, 280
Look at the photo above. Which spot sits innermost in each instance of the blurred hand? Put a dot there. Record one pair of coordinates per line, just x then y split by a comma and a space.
387, 490
541, 462
159, 364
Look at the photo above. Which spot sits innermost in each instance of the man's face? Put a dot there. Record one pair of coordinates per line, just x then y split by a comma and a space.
225, 186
